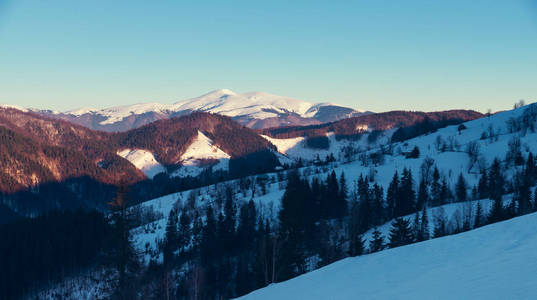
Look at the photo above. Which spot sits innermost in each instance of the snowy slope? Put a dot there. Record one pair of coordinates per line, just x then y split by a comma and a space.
143, 160
201, 151
296, 148
493, 262
202, 148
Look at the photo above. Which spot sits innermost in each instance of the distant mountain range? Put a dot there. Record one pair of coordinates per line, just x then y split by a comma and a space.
256, 110
50, 160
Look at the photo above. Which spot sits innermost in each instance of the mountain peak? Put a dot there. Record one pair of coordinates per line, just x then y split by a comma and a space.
251, 109
220, 93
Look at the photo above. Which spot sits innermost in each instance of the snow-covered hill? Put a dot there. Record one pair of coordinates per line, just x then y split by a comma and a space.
341, 148
446, 149
201, 154
144, 161
493, 262
253, 109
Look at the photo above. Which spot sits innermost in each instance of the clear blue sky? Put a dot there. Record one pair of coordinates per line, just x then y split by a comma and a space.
375, 55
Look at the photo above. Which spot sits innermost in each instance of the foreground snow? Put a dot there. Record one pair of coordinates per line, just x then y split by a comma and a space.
498, 261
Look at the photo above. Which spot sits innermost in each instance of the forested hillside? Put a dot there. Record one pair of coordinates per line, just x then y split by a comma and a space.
272, 227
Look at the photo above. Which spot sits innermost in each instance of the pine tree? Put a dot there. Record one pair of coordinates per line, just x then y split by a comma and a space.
496, 180
400, 233
478, 215
483, 187
405, 202
531, 169
317, 197
208, 236
354, 227
416, 226
460, 188
436, 187
229, 222
377, 195
377, 243
440, 226
197, 228
293, 224
185, 233
358, 248
124, 256
475, 193
391, 196
424, 229
343, 196
496, 188
365, 203
423, 195
444, 192
523, 190
170, 238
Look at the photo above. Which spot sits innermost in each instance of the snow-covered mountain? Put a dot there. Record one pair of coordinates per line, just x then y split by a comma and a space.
253, 109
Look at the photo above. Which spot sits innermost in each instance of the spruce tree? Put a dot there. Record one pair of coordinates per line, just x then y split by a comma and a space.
357, 243
124, 256
496, 188
365, 204
405, 202
496, 180
354, 227
436, 187
483, 187
444, 192
460, 189
185, 233
531, 169
229, 222
400, 233
423, 195
292, 226
377, 195
170, 238
478, 215
391, 196
377, 243
523, 191
342, 205
440, 224
424, 229
416, 226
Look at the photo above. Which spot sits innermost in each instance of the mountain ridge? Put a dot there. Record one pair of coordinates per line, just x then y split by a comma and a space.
252, 109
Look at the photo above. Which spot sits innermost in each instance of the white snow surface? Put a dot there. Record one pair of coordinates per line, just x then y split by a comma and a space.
203, 148
296, 148
144, 161
498, 261
257, 105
